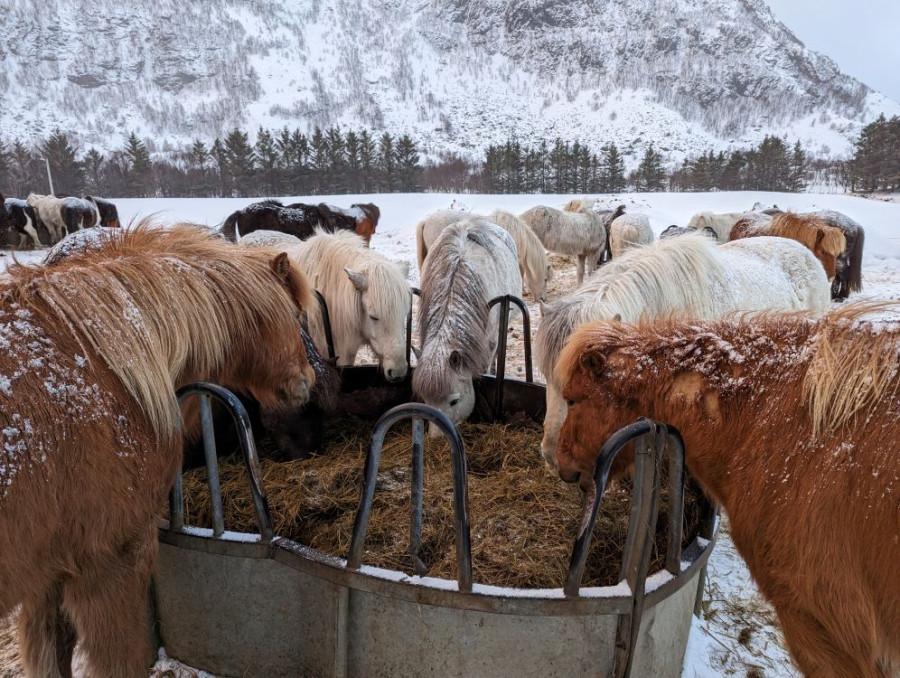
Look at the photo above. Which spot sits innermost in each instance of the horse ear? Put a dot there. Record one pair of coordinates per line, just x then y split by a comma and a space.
544, 307
820, 235
617, 318
593, 363
455, 360
359, 280
281, 266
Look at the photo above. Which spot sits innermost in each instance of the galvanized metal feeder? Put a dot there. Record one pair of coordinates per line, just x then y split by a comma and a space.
238, 604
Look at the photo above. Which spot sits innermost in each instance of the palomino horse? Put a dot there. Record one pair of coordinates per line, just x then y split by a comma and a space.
849, 264
791, 424
826, 242
627, 231
93, 350
472, 262
534, 266
689, 276
580, 233
367, 295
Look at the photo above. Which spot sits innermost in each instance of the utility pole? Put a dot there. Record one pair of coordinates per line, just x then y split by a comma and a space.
49, 176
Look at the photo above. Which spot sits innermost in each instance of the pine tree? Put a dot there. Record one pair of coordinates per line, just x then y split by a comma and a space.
5, 166
387, 163
267, 162
68, 173
354, 163
221, 159
139, 179
612, 170
240, 161
798, 169
318, 153
367, 154
651, 176
93, 170
335, 154
409, 171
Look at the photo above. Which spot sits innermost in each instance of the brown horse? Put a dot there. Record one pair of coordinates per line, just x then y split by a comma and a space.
849, 263
93, 349
826, 242
792, 425
297, 219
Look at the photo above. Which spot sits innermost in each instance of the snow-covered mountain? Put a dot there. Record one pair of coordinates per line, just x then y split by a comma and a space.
455, 74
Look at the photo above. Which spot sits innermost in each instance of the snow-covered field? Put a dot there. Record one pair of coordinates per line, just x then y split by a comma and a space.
738, 635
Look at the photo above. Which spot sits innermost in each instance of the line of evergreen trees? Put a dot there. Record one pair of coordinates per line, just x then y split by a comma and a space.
281, 162
875, 165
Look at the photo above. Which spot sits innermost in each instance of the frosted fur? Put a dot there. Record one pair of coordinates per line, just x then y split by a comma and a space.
472, 262
263, 238
629, 230
687, 276
380, 290
720, 223
533, 263
579, 233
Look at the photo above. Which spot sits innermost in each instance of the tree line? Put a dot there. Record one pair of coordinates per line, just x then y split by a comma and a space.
333, 161
279, 162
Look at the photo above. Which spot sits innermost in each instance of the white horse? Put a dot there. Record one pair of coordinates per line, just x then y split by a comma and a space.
579, 233
627, 231
472, 262
533, 263
263, 238
367, 295
688, 276
720, 223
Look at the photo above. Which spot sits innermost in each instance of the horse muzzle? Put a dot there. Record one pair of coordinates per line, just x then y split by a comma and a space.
569, 476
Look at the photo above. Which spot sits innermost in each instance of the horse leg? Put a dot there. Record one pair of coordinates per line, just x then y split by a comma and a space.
580, 270
32, 231
825, 655
108, 604
46, 636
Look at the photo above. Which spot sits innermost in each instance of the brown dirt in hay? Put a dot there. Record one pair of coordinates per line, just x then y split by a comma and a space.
523, 519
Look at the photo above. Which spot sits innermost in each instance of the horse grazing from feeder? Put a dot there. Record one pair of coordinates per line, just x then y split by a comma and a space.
367, 295
627, 231
849, 264
791, 425
356, 219
826, 242
109, 214
675, 230
91, 434
472, 262
688, 276
583, 234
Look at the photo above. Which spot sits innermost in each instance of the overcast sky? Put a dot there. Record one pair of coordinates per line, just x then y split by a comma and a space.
861, 36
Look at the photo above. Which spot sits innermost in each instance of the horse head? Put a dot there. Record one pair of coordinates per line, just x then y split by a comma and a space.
385, 301
447, 386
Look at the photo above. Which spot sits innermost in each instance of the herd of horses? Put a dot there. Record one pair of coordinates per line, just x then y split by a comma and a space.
56, 216
789, 406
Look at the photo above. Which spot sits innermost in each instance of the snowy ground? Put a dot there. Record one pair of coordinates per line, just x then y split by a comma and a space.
738, 635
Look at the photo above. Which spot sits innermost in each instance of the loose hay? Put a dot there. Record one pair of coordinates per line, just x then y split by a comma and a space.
523, 520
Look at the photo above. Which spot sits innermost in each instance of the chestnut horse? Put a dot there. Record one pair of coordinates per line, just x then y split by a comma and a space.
792, 425
93, 349
826, 242
849, 263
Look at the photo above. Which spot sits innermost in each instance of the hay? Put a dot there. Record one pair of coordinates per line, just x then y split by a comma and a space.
523, 520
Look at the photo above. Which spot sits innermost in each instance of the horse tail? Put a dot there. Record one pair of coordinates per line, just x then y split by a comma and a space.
229, 227
421, 247
855, 262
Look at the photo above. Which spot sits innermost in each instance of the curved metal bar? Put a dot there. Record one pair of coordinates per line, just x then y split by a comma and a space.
326, 323
248, 451
502, 330
460, 488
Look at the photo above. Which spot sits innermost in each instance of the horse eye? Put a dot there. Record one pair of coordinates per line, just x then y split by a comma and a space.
372, 317
570, 403
454, 402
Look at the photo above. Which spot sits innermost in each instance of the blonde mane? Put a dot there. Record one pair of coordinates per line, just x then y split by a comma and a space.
181, 298
807, 229
855, 365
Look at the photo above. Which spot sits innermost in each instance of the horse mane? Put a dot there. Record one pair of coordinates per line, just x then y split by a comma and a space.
126, 289
638, 283
807, 229
455, 299
531, 252
229, 226
342, 250
854, 365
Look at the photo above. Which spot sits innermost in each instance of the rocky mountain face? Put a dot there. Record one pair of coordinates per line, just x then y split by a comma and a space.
455, 74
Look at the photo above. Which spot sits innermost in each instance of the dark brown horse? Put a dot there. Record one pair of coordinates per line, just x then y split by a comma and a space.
849, 264
93, 349
792, 425
109, 215
297, 219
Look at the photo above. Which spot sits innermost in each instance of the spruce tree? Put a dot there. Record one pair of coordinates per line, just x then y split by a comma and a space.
139, 178
93, 173
651, 176
367, 152
798, 169
241, 162
354, 162
318, 154
613, 170
336, 171
409, 170
68, 173
267, 159
387, 163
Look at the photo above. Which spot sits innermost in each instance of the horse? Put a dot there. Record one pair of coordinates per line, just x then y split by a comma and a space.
826, 242
63, 215
848, 277
366, 216
20, 217
367, 295
580, 233
271, 215
534, 266
628, 230
108, 213
90, 421
720, 223
790, 424
355, 219
675, 230
688, 276
750, 225
472, 262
